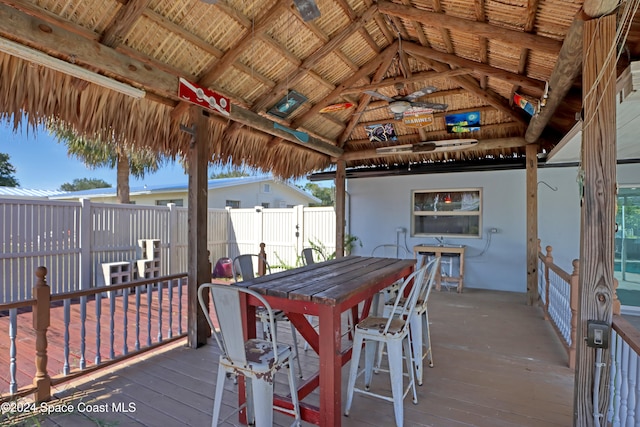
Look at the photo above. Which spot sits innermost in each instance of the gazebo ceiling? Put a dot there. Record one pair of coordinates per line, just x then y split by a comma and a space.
279, 72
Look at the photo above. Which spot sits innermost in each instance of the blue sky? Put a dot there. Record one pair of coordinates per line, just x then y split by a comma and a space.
43, 164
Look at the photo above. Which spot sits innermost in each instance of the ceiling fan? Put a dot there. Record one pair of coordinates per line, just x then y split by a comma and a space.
401, 104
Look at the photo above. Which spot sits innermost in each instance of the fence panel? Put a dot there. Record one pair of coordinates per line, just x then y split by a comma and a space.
35, 233
245, 231
279, 229
116, 230
320, 228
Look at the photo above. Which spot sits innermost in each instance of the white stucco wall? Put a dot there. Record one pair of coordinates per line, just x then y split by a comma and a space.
379, 206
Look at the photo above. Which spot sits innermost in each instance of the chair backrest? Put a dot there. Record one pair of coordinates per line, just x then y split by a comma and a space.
430, 278
310, 255
389, 250
407, 305
243, 265
226, 305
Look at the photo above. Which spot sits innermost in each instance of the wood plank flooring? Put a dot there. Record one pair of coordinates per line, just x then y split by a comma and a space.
497, 364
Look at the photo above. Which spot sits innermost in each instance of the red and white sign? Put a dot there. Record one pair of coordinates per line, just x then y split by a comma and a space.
204, 97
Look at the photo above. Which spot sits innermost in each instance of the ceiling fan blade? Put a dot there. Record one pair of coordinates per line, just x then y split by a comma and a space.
432, 105
378, 95
307, 9
420, 93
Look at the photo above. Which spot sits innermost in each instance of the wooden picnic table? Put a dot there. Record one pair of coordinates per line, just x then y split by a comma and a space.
326, 290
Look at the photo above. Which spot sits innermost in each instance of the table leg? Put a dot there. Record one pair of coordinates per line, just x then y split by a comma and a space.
330, 367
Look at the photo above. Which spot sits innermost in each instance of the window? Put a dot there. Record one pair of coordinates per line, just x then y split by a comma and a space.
266, 188
265, 204
232, 204
177, 202
453, 213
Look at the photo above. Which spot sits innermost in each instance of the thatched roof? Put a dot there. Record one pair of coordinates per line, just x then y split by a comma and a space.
477, 53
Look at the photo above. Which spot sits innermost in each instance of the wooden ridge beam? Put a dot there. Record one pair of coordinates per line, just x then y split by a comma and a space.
568, 66
492, 32
482, 145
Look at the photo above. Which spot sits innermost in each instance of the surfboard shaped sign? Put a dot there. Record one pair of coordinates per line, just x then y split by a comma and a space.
203, 97
336, 107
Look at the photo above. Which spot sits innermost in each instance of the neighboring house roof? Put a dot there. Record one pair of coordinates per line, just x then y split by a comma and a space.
25, 192
180, 188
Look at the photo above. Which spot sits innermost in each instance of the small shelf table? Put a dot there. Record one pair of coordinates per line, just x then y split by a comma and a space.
440, 250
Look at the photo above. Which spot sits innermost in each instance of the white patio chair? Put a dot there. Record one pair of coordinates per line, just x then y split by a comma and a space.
243, 267
419, 323
392, 331
257, 360
388, 294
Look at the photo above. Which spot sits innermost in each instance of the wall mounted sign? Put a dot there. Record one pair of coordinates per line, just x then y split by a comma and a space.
418, 117
287, 104
381, 132
463, 122
203, 97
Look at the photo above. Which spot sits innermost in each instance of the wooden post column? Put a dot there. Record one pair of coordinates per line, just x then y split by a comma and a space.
532, 223
197, 227
340, 207
597, 214
41, 321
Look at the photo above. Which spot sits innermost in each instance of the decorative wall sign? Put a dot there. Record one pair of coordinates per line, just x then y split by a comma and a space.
336, 107
463, 122
203, 97
381, 132
418, 117
525, 104
287, 104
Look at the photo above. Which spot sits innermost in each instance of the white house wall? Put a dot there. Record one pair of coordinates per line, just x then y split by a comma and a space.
381, 205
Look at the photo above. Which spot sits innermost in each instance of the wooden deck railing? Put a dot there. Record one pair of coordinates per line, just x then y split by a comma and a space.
559, 293
67, 330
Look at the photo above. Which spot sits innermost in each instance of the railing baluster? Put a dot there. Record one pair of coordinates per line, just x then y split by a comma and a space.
149, 301
180, 284
112, 325
624, 386
137, 318
170, 304
125, 320
41, 318
67, 320
631, 401
98, 302
13, 353
160, 311
83, 331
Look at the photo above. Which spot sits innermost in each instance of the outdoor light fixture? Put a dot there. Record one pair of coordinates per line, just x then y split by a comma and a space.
399, 107
40, 58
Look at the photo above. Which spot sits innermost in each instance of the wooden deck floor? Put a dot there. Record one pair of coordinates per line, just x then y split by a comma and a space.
497, 364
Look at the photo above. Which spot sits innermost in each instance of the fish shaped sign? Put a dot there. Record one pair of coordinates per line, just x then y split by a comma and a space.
203, 97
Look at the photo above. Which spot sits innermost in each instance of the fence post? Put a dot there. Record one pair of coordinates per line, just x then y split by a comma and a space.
262, 257
298, 212
173, 239
86, 230
42, 295
573, 302
548, 260
259, 233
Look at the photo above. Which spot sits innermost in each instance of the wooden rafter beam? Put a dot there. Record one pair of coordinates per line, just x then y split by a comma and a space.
482, 145
492, 32
482, 41
568, 66
280, 89
535, 86
122, 22
529, 22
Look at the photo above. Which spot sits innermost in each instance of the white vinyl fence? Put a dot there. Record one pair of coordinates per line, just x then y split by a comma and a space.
73, 239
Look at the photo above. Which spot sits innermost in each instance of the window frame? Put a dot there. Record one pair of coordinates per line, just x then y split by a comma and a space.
455, 195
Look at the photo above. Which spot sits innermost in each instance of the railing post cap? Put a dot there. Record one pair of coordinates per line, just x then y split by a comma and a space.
41, 272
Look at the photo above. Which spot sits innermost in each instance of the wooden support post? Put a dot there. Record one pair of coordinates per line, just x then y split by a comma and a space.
532, 223
197, 228
340, 206
597, 214
262, 257
548, 260
573, 304
42, 295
